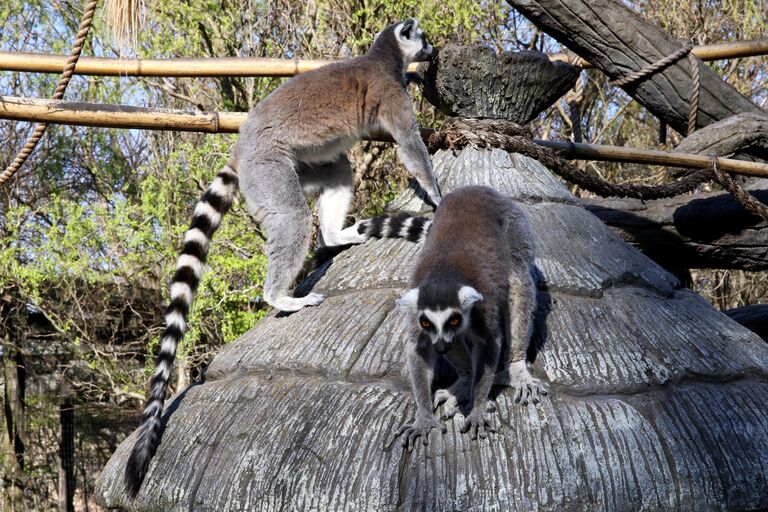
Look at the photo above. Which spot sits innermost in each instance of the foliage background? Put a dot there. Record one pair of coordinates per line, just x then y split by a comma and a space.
90, 227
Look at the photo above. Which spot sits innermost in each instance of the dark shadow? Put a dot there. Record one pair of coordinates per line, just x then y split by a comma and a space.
754, 317
712, 217
698, 221
171, 407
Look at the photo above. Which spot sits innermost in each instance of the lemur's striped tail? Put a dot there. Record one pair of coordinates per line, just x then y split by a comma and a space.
189, 269
413, 229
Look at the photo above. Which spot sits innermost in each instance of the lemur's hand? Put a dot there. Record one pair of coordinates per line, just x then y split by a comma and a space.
421, 427
478, 424
434, 200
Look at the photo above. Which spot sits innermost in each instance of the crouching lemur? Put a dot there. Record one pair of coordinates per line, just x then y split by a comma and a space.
471, 300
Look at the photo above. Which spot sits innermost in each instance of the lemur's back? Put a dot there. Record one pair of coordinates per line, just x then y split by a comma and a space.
316, 106
476, 233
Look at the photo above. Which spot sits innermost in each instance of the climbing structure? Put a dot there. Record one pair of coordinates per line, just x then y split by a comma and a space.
657, 400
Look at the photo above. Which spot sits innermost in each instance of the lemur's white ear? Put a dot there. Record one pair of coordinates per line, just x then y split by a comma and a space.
408, 300
407, 28
468, 296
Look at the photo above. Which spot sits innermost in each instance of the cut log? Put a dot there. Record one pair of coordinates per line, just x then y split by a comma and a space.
744, 135
619, 41
704, 231
516, 86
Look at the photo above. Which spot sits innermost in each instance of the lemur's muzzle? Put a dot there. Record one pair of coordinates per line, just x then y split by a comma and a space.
441, 347
427, 52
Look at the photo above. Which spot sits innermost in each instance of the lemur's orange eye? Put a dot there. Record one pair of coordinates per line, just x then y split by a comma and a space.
455, 322
426, 324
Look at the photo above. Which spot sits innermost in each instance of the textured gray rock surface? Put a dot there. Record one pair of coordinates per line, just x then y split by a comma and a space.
658, 401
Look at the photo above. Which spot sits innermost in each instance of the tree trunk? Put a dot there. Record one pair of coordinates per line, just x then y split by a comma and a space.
14, 377
66, 448
619, 41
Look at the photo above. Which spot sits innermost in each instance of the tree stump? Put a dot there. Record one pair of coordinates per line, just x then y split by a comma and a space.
475, 81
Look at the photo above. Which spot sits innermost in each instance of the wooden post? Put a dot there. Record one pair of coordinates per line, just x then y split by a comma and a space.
66, 446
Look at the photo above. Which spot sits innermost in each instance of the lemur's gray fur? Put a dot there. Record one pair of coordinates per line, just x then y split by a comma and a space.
472, 282
294, 143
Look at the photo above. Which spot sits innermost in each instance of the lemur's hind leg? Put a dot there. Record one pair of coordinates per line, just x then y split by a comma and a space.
336, 183
519, 326
273, 194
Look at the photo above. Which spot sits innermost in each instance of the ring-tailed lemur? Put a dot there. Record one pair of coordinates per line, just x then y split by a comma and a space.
472, 283
293, 143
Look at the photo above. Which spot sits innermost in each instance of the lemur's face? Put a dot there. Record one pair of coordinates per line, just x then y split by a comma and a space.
442, 326
413, 43
440, 322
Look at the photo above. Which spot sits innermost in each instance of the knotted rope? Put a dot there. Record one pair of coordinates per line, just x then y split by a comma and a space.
493, 133
66, 75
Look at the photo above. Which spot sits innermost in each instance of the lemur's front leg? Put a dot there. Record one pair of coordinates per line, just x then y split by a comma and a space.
398, 119
459, 393
485, 358
420, 369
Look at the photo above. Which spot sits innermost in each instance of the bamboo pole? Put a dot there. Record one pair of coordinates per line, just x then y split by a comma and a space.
253, 66
181, 67
706, 52
122, 116
605, 153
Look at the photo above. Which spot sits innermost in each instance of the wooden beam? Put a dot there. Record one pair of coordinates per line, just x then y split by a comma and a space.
256, 66
605, 153
123, 116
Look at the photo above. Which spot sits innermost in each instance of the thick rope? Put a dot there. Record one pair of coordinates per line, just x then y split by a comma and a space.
492, 133
693, 109
66, 75
741, 195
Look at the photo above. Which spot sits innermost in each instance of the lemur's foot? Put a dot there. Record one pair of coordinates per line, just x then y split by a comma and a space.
451, 398
286, 303
449, 401
349, 235
421, 427
525, 387
477, 424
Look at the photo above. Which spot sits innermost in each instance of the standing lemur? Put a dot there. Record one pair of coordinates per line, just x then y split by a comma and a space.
292, 143
472, 298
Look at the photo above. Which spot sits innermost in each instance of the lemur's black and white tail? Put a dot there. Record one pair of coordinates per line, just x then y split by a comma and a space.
189, 269
413, 229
